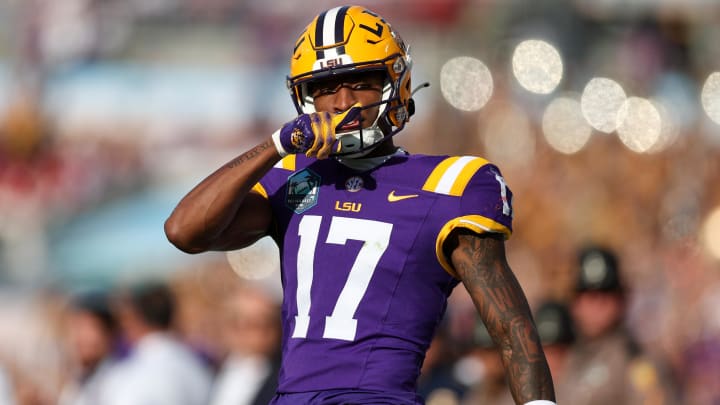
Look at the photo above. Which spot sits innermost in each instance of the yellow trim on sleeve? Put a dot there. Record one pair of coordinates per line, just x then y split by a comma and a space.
288, 162
258, 188
475, 223
432, 182
465, 175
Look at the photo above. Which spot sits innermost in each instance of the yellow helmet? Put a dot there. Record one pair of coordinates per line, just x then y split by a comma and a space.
351, 39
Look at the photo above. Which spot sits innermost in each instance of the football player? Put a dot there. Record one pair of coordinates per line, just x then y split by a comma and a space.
372, 239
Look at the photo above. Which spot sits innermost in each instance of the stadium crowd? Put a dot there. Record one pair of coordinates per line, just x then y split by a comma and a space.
62, 160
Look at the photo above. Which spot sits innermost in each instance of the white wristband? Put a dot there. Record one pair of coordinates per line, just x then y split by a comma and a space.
276, 140
540, 402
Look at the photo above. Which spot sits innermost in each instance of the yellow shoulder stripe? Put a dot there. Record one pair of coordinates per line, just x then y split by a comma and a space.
287, 163
453, 174
258, 188
475, 223
432, 181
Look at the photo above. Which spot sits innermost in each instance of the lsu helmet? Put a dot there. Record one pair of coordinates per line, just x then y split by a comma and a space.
352, 39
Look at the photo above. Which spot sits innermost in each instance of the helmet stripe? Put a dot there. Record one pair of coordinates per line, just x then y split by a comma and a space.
319, 35
340, 28
328, 31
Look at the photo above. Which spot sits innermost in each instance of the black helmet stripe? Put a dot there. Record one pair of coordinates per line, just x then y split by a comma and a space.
319, 35
340, 28
329, 30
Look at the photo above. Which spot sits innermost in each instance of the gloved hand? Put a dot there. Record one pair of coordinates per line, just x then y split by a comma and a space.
314, 134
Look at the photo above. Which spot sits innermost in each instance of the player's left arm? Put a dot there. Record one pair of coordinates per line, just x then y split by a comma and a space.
480, 262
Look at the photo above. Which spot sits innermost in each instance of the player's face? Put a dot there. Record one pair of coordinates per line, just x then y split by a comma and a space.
337, 94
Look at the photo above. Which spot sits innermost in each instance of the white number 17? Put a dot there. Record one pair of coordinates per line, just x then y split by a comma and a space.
376, 237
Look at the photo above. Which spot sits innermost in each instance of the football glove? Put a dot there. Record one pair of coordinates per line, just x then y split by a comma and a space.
315, 134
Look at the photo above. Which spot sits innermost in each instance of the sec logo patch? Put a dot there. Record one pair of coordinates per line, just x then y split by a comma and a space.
354, 184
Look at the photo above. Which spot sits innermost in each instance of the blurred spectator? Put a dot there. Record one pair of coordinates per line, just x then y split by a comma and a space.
92, 337
438, 382
491, 387
554, 325
252, 327
701, 372
606, 366
91, 110
160, 369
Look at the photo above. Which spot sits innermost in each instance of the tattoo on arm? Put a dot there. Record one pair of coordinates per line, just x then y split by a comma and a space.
249, 155
481, 264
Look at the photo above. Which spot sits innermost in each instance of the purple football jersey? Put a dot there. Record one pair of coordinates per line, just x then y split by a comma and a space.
365, 280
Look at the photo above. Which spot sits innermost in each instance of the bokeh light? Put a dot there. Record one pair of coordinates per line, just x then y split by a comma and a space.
601, 100
507, 137
537, 66
711, 233
255, 262
564, 126
669, 131
639, 124
144, 99
466, 83
710, 97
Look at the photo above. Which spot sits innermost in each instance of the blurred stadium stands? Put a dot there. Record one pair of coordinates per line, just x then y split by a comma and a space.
111, 109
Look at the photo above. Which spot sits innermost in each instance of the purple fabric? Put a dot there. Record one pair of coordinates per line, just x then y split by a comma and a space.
406, 296
344, 397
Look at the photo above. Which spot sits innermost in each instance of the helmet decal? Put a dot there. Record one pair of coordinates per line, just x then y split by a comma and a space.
330, 32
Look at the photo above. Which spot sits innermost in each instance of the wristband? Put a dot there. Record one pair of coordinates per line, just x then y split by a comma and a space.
540, 402
278, 145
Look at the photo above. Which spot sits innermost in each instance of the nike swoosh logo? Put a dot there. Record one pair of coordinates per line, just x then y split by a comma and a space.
393, 198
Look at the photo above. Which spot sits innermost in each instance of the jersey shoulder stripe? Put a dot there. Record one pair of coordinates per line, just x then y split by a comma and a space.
287, 163
258, 188
475, 223
453, 174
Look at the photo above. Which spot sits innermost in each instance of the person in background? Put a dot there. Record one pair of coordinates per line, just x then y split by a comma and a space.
160, 369
251, 333
606, 366
490, 386
557, 335
438, 382
700, 370
92, 336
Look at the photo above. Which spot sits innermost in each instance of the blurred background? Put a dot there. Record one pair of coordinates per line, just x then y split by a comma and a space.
604, 116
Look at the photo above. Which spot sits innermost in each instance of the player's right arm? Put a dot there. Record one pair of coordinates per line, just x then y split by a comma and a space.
222, 212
